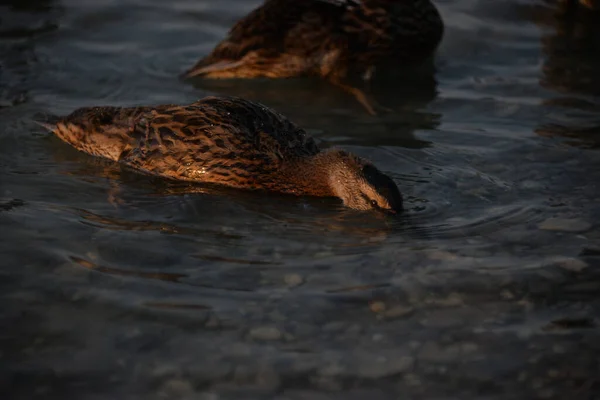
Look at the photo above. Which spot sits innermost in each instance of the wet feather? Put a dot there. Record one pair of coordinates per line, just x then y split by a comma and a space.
228, 141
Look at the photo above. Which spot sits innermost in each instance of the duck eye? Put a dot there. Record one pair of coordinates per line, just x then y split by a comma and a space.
374, 203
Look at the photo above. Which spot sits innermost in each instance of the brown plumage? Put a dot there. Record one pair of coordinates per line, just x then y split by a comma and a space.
228, 141
334, 39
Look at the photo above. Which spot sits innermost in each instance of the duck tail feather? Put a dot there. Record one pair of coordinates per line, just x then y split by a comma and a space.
47, 121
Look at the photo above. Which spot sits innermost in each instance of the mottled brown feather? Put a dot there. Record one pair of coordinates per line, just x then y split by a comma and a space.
328, 38
229, 141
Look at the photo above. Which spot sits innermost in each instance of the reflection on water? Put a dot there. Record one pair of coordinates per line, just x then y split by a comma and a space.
118, 285
571, 45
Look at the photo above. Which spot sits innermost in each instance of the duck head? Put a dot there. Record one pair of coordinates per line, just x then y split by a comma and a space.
360, 184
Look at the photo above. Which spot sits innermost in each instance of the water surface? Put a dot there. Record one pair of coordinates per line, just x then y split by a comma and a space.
114, 285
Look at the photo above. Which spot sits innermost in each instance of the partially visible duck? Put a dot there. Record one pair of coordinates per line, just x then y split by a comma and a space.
228, 141
590, 4
334, 39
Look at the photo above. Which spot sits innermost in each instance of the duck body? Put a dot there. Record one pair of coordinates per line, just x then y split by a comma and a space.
334, 39
228, 141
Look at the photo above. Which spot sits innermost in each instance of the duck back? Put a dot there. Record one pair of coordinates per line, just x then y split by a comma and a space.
222, 140
330, 38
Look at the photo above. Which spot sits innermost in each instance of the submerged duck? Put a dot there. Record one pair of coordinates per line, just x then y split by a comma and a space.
334, 39
228, 141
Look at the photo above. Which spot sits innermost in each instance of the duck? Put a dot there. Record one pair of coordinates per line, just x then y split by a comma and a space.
589, 4
227, 141
338, 40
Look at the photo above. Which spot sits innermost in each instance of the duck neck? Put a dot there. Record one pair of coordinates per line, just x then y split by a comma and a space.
309, 176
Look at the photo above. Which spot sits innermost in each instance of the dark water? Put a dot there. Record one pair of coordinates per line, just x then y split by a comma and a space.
116, 286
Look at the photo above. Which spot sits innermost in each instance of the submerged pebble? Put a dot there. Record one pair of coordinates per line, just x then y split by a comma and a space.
265, 333
398, 311
293, 280
572, 264
565, 225
377, 306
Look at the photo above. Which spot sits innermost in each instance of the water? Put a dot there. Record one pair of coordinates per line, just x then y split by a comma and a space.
116, 286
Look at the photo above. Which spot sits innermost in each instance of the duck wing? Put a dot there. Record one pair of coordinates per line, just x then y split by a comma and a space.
224, 140
256, 122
